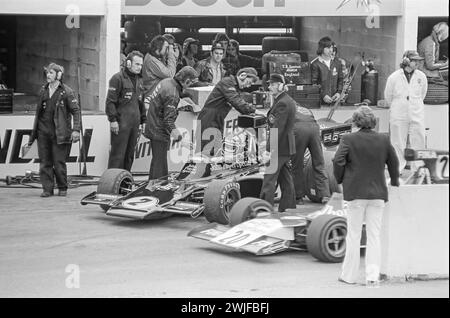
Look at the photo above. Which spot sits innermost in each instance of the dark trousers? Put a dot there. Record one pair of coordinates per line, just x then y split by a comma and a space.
158, 165
307, 135
284, 178
53, 162
122, 148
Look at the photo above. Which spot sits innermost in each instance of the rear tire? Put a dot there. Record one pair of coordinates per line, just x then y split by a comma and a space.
114, 181
436, 94
219, 197
326, 238
247, 209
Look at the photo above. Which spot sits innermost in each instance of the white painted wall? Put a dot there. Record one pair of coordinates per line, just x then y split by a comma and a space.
415, 231
255, 7
109, 48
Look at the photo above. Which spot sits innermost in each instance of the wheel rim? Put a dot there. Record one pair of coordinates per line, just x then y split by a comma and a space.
255, 210
231, 198
125, 186
335, 240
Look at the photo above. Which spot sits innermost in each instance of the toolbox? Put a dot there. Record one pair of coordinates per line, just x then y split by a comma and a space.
306, 95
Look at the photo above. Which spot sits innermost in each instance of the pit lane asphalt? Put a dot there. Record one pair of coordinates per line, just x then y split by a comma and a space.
118, 257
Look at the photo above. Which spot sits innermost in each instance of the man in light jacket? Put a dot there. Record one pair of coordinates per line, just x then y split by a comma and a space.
429, 49
405, 91
160, 62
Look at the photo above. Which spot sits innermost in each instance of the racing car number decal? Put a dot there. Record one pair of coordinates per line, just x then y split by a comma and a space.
442, 167
247, 232
142, 203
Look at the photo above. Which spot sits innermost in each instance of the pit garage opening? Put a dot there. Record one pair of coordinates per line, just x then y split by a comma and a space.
29, 42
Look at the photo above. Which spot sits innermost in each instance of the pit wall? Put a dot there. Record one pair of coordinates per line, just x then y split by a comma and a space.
415, 232
44, 39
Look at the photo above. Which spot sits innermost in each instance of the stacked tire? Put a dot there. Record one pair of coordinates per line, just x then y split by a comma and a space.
436, 94
279, 43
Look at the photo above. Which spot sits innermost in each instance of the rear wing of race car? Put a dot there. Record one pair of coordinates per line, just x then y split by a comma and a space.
331, 132
435, 161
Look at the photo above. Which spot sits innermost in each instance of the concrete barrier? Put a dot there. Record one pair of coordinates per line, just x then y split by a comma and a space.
415, 233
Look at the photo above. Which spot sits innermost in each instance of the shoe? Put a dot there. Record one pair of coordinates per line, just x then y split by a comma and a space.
46, 194
325, 200
373, 284
62, 193
345, 282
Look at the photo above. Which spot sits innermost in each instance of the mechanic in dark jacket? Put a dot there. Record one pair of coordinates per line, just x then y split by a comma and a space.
53, 129
327, 72
224, 97
281, 119
307, 135
161, 116
125, 111
359, 164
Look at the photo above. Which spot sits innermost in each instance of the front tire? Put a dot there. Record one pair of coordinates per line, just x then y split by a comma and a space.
116, 182
326, 238
219, 197
247, 209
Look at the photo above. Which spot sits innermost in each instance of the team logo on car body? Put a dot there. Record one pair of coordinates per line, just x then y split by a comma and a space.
142, 203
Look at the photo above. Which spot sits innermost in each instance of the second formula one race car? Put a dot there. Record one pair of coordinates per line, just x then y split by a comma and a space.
211, 185
255, 228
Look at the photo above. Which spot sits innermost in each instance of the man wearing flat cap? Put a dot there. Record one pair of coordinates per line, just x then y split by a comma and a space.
281, 119
404, 93
225, 96
53, 130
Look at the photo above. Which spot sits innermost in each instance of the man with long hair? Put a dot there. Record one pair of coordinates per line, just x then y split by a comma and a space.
160, 62
327, 72
359, 165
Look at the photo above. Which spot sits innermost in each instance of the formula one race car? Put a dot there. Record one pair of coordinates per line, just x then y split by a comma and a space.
209, 185
256, 228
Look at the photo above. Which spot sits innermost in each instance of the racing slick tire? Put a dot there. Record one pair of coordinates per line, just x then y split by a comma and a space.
248, 208
219, 197
436, 94
114, 181
325, 238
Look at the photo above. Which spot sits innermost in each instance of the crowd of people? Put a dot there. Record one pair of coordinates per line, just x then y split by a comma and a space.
144, 96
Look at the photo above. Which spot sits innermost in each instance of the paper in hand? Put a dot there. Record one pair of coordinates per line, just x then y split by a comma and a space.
30, 152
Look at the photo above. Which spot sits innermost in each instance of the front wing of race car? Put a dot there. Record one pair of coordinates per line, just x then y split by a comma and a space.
144, 202
259, 236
